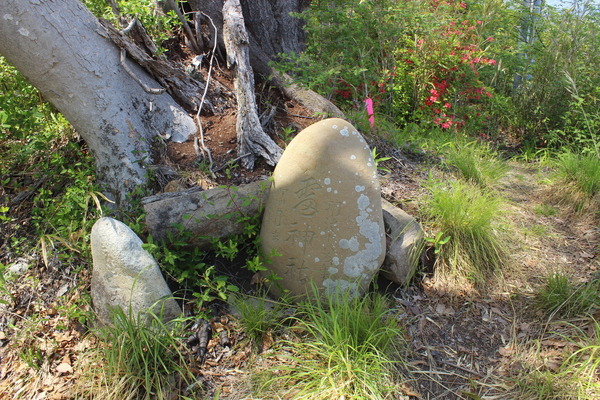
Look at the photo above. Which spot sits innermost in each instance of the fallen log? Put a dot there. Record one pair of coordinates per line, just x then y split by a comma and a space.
204, 214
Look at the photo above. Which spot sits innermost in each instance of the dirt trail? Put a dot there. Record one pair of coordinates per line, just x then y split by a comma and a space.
464, 348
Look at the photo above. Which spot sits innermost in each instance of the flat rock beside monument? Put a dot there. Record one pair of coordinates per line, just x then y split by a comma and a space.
406, 243
323, 215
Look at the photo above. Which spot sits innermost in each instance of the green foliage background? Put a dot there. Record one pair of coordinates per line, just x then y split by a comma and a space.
397, 52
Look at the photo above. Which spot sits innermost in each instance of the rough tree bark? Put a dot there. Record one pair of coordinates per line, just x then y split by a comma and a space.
252, 141
64, 52
271, 30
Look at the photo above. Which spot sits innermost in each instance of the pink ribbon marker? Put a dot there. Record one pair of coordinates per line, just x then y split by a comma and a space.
370, 112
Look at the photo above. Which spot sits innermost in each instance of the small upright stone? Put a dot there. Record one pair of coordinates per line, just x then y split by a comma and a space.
406, 243
126, 275
323, 214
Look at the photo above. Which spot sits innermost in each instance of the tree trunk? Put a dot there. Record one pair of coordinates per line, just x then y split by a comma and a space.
271, 30
64, 52
270, 22
251, 139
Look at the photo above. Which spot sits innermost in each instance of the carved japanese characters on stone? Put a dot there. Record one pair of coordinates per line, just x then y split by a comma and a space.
323, 216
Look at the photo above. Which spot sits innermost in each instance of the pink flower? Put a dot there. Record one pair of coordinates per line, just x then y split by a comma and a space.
447, 105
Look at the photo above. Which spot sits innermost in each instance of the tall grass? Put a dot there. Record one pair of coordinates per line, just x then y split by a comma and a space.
476, 163
257, 316
469, 217
578, 374
579, 176
140, 358
583, 366
560, 297
347, 350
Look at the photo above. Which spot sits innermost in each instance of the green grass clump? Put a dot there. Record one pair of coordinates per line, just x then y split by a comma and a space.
141, 359
348, 350
583, 366
476, 163
468, 216
560, 297
545, 210
257, 316
578, 374
580, 177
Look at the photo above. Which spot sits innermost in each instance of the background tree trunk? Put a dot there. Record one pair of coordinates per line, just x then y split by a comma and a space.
64, 52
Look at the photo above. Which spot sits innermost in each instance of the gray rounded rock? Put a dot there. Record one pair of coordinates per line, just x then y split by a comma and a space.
125, 275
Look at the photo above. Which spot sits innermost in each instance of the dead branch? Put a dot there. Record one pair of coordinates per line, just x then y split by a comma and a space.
183, 88
251, 137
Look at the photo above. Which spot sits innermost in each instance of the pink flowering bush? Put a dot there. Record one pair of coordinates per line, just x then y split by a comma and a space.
418, 60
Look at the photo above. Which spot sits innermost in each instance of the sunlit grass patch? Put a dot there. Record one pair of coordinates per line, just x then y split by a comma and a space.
560, 297
545, 210
578, 178
469, 217
476, 163
564, 365
347, 348
138, 357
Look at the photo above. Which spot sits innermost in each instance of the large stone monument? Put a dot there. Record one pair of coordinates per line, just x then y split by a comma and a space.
125, 275
323, 216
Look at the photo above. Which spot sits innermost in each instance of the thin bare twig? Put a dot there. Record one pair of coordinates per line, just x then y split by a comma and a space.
198, 121
301, 116
231, 161
129, 27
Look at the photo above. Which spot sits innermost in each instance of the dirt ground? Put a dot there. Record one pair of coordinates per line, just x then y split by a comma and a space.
461, 344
